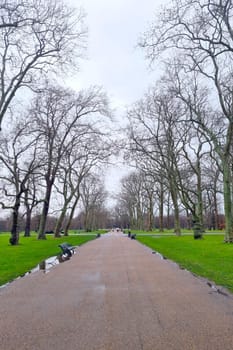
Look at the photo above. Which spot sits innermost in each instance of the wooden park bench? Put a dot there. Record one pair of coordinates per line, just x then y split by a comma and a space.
67, 249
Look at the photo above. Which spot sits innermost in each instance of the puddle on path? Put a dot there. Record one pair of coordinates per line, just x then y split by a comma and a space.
43, 266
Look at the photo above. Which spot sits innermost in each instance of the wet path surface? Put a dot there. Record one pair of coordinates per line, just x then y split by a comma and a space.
114, 294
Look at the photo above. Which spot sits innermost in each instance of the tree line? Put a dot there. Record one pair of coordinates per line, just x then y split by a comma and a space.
180, 134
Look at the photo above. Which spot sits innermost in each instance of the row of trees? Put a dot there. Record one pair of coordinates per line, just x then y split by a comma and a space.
49, 155
181, 132
52, 140
90, 213
145, 203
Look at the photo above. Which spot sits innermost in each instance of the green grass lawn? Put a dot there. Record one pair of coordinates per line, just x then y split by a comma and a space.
209, 257
17, 260
171, 232
83, 232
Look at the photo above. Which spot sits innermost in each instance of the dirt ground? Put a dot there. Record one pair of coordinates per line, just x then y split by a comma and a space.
114, 294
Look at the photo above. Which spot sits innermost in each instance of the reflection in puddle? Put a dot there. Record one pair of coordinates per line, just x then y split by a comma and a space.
45, 265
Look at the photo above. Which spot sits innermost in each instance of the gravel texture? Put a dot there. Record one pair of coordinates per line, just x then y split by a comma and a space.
114, 295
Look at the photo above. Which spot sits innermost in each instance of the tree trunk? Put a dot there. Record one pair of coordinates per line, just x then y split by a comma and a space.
161, 207
132, 218
71, 216
86, 221
168, 223
28, 223
197, 228
14, 240
150, 215
199, 197
227, 186
59, 222
139, 217
177, 229
188, 219
44, 215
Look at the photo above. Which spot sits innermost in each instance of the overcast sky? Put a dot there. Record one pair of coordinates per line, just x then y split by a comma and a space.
113, 61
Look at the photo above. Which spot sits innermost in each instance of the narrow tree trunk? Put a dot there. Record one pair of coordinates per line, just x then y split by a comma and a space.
28, 223
139, 217
71, 216
60, 222
188, 219
14, 240
177, 229
93, 223
216, 218
197, 229
168, 212
227, 203
85, 221
132, 218
44, 215
150, 214
28, 214
161, 209
199, 198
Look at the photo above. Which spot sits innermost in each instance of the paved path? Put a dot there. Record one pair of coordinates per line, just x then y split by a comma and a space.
114, 295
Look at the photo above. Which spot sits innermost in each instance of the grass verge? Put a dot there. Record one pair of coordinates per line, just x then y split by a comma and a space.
17, 260
209, 257
184, 231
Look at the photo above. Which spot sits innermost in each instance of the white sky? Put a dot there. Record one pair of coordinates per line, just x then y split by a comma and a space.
113, 60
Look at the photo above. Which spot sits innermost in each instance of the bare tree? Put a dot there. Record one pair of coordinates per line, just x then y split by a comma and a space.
35, 35
149, 194
31, 198
195, 148
93, 196
19, 159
